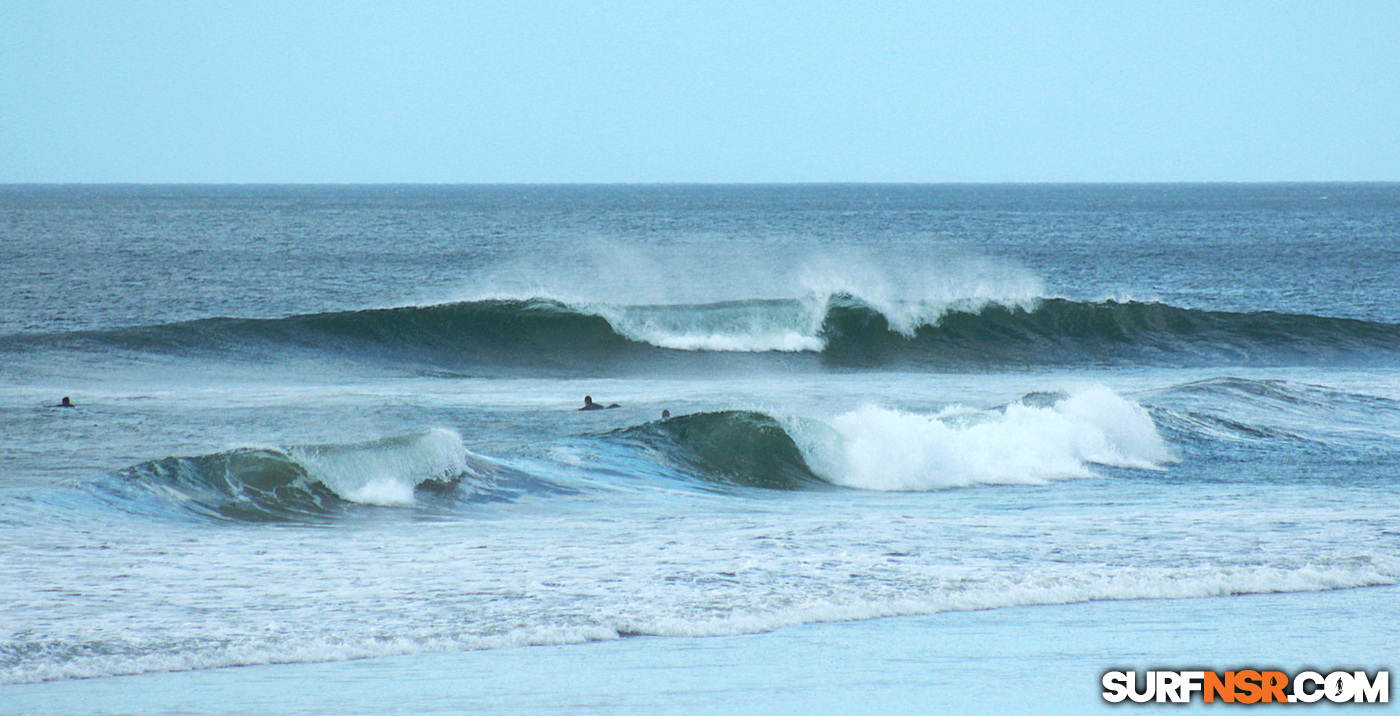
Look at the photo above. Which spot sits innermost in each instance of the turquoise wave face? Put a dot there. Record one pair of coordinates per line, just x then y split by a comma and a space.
314, 482
731, 447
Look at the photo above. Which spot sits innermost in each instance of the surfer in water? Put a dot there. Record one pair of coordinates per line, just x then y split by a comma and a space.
65, 403
588, 404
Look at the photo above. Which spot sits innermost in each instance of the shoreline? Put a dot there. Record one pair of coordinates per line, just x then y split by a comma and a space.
1017, 659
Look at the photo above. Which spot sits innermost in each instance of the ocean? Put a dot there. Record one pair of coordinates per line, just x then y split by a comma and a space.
321, 426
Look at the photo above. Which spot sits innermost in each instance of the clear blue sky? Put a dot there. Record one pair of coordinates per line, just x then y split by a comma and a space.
655, 91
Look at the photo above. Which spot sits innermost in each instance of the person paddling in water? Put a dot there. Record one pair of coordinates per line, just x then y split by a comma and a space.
588, 404
65, 403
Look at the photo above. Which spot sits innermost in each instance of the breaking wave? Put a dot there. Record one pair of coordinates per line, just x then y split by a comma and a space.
837, 330
1031, 441
259, 484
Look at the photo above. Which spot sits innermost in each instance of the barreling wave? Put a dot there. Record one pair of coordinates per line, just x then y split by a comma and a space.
269, 484
730, 447
837, 330
1039, 438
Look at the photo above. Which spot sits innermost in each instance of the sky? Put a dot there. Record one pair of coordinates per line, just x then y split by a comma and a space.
655, 91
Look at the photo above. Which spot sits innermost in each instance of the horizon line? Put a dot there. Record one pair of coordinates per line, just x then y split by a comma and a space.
1226, 182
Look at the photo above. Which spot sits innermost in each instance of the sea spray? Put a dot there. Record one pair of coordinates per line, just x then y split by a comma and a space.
971, 333
739, 326
913, 298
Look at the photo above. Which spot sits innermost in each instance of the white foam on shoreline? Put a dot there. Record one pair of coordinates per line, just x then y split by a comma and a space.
55, 663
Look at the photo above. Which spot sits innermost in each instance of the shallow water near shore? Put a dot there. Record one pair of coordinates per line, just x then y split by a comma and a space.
1016, 660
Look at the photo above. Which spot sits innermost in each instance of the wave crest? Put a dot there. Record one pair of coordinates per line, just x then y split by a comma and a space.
839, 330
1027, 442
261, 484
1031, 441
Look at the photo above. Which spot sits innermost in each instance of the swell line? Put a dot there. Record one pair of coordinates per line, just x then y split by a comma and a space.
839, 331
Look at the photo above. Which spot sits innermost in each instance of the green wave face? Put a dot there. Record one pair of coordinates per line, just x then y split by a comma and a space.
252, 485
839, 331
731, 447
309, 481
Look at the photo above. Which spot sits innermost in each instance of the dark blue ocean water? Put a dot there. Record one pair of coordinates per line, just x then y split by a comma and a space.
318, 423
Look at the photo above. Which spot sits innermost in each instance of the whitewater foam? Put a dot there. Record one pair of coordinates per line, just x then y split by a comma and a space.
786, 314
384, 472
920, 296
56, 661
1049, 588
876, 448
748, 326
788, 326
